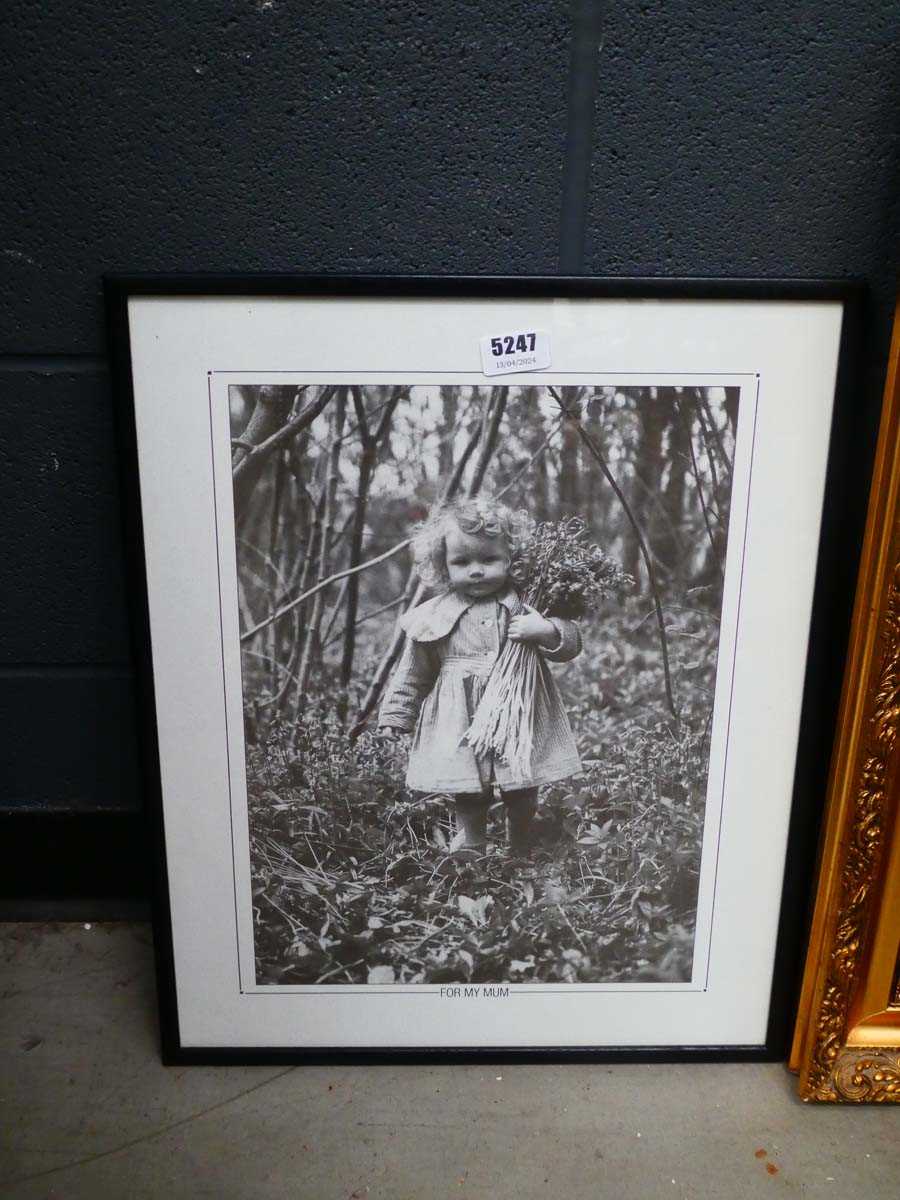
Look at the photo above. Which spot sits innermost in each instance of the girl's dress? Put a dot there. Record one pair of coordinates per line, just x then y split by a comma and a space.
452, 643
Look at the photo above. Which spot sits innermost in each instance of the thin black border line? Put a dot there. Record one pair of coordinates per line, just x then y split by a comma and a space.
215, 497
427, 989
737, 625
549, 371
312, 989
854, 423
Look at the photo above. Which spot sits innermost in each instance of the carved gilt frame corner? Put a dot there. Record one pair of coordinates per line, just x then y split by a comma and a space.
847, 1038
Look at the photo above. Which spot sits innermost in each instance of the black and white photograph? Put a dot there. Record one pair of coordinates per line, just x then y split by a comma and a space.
479, 639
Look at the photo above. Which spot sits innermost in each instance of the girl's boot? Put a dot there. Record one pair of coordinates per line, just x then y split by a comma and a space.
520, 809
471, 825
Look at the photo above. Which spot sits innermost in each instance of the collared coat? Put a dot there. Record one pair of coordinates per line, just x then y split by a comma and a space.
452, 642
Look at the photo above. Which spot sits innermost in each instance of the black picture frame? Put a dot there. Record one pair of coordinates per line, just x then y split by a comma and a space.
850, 441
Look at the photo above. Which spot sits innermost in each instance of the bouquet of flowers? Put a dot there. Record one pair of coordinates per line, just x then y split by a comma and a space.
561, 574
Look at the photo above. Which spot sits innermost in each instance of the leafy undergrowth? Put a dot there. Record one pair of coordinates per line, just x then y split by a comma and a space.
353, 881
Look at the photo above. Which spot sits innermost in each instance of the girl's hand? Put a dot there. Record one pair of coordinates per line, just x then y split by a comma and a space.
532, 627
399, 737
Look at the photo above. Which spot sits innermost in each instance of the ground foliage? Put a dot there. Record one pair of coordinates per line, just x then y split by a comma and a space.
353, 881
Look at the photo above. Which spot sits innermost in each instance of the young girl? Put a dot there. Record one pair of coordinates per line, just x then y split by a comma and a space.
453, 640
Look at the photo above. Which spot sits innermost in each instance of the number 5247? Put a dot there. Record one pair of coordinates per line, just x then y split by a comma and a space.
512, 343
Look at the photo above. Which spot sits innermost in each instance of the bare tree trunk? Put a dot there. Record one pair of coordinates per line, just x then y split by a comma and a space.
367, 463
331, 481
300, 580
651, 405
600, 502
706, 439
569, 490
707, 521
301, 505
671, 544
277, 490
362, 495
241, 397
332, 616
494, 415
534, 429
271, 409
267, 430
450, 402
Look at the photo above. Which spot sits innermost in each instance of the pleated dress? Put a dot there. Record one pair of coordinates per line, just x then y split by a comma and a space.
452, 643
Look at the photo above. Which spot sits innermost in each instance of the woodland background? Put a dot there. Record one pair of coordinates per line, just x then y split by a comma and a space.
351, 877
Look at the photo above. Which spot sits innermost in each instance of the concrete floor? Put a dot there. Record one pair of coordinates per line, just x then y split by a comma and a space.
87, 1111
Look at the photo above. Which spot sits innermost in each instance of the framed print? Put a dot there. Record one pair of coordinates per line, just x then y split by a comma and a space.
847, 1038
474, 620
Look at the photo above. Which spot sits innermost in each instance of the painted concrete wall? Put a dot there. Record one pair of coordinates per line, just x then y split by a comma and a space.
641, 138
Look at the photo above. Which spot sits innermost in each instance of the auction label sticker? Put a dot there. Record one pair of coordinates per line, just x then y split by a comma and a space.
507, 353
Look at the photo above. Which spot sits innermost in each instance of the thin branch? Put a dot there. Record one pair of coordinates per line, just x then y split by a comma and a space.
305, 417
269, 406
496, 409
332, 616
376, 612
372, 562
527, 467
388, 412
353, 430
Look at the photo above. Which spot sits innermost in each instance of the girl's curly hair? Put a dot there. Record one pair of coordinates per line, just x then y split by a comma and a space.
483, 516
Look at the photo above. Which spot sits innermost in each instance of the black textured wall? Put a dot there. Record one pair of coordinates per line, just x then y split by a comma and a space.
642, 138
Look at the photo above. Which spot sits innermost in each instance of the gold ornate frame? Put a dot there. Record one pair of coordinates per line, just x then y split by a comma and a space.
847, 1038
